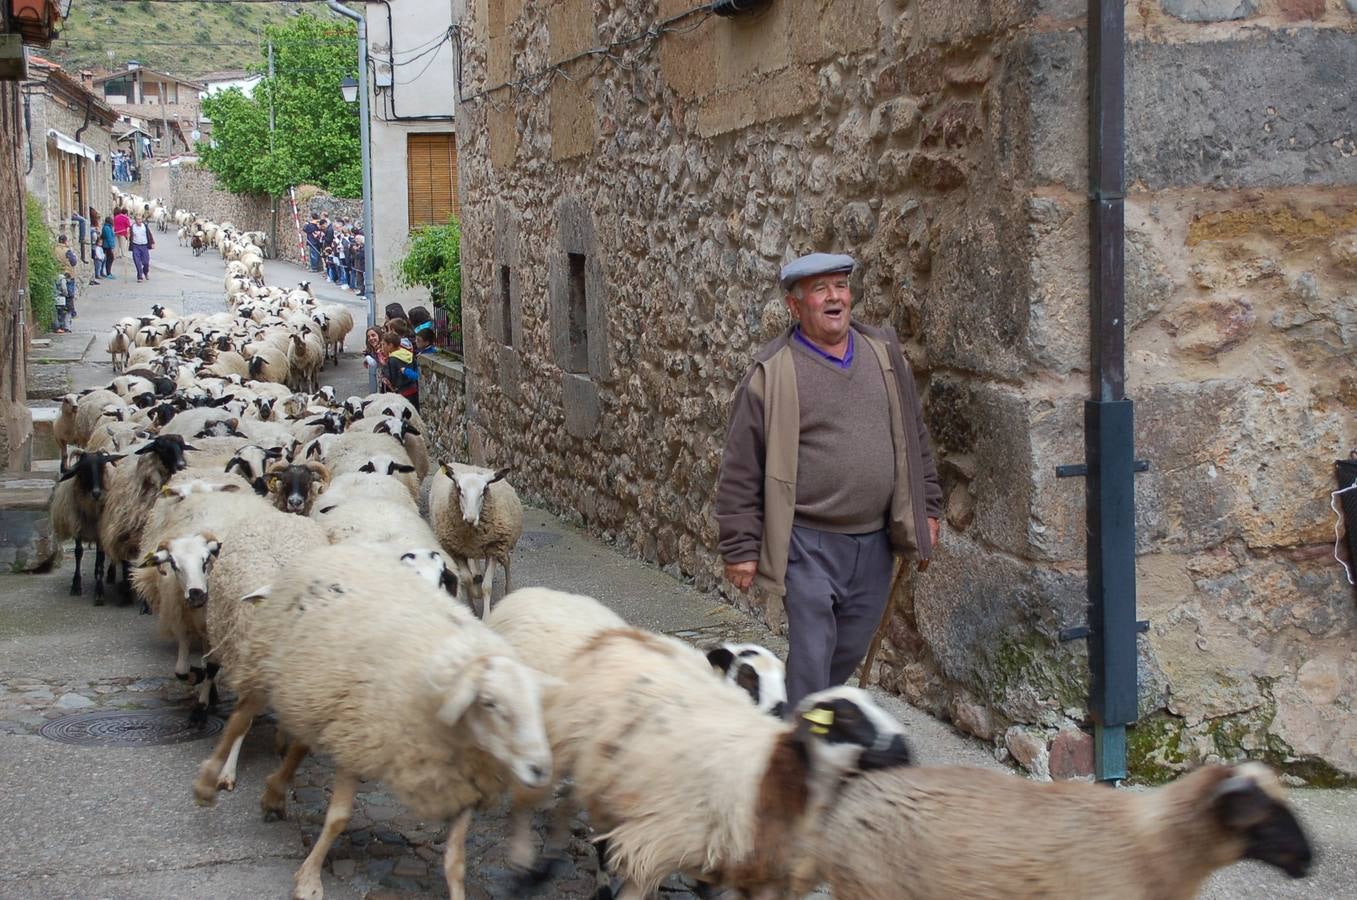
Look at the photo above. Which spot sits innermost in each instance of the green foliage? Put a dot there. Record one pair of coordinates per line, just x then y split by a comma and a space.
434, 261
315, 139
43, 266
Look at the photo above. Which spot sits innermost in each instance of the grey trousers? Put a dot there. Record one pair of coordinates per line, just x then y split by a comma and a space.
837, 586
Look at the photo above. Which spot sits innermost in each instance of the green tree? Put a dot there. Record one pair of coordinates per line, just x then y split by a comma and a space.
43, 267
315, 138
434, 261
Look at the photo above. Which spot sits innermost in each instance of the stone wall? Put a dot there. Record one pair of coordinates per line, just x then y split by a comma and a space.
621, 237
442, 387
16, 423
195, 189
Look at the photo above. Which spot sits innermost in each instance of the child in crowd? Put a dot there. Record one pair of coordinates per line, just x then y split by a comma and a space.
401, 372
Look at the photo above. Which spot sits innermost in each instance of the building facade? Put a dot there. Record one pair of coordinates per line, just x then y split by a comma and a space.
69, 146
413, 79
633, 173
168, 104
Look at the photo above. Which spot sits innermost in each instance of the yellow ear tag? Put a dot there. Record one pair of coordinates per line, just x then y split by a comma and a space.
819, 719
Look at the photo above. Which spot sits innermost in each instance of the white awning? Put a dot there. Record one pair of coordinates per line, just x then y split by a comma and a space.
70, 144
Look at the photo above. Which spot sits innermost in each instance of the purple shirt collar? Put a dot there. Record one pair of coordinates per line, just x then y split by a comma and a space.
844, 363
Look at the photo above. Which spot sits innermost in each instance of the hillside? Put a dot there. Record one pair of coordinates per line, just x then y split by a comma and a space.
179, 38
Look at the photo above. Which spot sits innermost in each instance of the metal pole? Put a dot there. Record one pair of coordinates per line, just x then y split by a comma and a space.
273, 225
369, 239
1108, 416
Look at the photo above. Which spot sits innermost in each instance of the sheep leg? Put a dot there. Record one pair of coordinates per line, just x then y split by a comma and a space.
488, 586
454, 857
181, 667
274, 800
207, 694
125, 598
534, 870
98, 572
75, 581
209, 773
226, 781
603, 882
306, 883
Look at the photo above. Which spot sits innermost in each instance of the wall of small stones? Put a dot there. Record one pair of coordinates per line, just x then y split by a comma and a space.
194, 188
16, 423
944, 145
442, 392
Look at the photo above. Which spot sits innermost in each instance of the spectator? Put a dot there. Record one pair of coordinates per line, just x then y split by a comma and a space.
341, 268
418, 316
311, 231
401, 372
122, 227
143, 242
108, 240
360, 265
65, 285
375, 357
395, 311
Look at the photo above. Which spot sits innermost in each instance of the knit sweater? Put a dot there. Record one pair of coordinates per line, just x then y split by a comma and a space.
846, 458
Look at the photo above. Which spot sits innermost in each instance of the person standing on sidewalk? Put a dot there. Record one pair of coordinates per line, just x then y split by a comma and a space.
122, 227
311, 230
143, 242
109, 240
827, 474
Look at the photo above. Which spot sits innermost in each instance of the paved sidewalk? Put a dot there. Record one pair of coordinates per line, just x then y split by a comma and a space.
119, 822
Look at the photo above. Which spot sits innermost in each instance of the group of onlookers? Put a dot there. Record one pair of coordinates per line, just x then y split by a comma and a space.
116, 236
124, 166
336, 248
392, 348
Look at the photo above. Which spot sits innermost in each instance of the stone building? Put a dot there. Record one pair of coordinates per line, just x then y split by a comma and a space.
70, 140
170, 105
625, 213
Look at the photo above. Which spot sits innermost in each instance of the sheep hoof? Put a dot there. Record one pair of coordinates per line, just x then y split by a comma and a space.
273, 813
604, 893
197, 716
75, 589
98, 599
226, 783
530, 880
182, 676
145, 608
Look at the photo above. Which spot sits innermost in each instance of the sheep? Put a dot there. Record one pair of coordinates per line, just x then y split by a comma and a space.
273, 434
252, 463
294, 487
371, 508
131, 492
193, 423
335, 322
253, 552
547, 628
389, 464
305, 356
118, 437
476, 515
754, 670
119, 345
956, 832
74, 509
173, 578
637, 722
339, 450
228, 362
79, 415
402, 430
371, 667
378, 405
268, 363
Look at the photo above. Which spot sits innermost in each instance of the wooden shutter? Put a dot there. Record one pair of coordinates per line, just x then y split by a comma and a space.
431, 161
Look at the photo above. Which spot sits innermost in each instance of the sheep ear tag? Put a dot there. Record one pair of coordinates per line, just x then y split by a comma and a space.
819, 719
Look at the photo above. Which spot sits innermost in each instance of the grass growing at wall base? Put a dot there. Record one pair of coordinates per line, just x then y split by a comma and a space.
43, 267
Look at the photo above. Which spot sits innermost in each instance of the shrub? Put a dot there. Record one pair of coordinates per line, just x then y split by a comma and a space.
434, 261
43, 267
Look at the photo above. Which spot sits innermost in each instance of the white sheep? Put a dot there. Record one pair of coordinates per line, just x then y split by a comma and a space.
133, 488
119, 345
477, 516
269, 363
755, 670
374, 668
403, 431
683, 774
943, 832
305, 356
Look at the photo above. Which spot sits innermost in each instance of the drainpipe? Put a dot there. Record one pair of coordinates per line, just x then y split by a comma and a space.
1109, 437
369, 239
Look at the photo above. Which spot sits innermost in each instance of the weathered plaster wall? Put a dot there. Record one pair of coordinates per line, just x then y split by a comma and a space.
943, 143
46, 112
16, 423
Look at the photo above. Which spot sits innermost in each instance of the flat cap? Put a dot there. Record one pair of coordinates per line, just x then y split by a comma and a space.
814, 264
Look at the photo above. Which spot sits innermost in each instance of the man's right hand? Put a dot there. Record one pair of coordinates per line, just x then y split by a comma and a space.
741, 574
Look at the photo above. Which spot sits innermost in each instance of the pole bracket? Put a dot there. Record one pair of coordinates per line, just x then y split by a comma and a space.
1080, 470
1080, 632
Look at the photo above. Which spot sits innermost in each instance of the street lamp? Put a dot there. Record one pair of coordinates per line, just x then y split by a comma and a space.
349, 88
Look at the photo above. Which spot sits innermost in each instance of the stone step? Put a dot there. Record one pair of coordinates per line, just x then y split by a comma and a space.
44, 440
26, 540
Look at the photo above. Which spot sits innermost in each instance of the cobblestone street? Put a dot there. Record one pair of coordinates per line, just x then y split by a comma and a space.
102, 807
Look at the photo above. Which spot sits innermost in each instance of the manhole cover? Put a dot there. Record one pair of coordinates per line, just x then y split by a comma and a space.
538, 540
128, 728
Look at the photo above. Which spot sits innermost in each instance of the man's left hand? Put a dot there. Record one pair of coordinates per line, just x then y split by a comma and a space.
934, 528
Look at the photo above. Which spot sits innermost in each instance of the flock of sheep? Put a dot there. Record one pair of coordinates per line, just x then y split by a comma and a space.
327, 570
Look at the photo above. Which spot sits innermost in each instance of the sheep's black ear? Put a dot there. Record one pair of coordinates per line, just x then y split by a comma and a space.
407, 413
368, 467
393, 468
70, 473
313, 451
233, 462
409, 429
1241, 803
405, 556
277, 452
499, 475
320, 421
720, 658
382, 428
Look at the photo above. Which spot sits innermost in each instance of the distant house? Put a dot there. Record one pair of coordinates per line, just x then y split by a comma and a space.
168, 103
414, 144
216, 82
71, 140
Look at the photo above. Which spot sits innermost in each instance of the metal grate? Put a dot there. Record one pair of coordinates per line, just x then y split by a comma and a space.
128, 728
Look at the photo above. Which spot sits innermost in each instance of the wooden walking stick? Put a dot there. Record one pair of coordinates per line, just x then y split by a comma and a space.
866, 673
